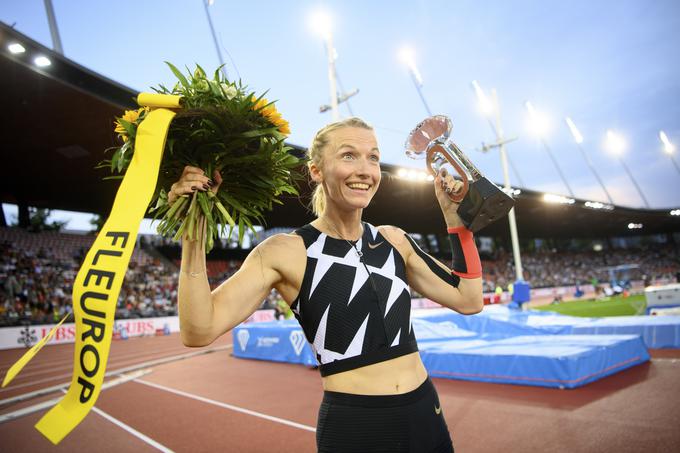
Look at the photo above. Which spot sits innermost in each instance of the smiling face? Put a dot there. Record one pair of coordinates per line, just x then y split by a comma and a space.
349, 169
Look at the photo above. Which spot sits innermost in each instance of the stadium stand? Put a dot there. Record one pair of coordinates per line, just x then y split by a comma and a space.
37, 272
553, 268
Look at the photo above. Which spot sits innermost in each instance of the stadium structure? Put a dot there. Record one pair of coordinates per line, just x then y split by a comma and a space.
49, 163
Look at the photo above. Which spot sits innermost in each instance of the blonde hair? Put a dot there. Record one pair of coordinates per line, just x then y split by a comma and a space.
315, 155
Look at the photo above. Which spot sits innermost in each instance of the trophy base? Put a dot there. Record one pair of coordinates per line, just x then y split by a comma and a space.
484, 204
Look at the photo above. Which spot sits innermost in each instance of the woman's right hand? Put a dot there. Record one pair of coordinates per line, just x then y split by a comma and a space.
193, 179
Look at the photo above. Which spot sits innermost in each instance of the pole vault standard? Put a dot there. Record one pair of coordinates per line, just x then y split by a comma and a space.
487, 108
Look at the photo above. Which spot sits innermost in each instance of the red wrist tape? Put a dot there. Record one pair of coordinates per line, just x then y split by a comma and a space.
466, 262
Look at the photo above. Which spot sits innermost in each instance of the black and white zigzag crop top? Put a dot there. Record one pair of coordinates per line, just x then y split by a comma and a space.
353, 319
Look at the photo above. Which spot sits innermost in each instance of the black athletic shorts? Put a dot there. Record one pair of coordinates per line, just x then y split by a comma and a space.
411, 422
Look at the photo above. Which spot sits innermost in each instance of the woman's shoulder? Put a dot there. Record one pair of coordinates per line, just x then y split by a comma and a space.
394, 234
280, 250
281, 242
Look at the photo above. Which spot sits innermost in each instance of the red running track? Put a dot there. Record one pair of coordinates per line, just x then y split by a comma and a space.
214, 402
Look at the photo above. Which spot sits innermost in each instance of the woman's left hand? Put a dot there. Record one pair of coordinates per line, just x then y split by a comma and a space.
444, 184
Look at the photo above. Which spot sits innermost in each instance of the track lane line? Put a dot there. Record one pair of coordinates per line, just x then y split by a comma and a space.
55, 363
141, 436
49, 403
133, 431
134, 367
117, 360
242, 410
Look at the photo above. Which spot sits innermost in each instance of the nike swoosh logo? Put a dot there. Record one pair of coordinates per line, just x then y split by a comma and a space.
372, 246
437, 410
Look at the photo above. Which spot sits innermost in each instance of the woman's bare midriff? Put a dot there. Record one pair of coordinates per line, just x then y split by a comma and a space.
400, 375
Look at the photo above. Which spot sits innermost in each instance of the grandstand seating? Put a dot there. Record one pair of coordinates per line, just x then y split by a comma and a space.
37, 272
59, 246
46, 263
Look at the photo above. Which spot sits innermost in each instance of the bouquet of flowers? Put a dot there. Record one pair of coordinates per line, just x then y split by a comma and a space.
224, 127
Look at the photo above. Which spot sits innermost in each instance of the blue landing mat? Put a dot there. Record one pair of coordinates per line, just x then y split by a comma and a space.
656, 331
562, 361
449, 351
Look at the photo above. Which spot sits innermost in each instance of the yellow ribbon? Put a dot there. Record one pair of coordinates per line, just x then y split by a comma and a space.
96, 287
21, 363
159, 100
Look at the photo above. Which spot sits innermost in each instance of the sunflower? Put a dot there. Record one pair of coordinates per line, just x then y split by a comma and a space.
131, 116
272, 115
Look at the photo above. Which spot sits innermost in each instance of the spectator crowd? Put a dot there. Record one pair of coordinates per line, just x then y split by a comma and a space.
37, 274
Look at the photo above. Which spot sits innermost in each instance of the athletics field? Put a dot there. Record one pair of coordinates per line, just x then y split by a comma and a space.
609, 306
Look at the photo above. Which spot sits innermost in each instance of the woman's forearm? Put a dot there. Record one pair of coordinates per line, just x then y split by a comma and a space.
194, 295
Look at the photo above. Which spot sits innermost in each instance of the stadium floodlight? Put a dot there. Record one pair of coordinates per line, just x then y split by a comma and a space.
557, 199
668, 148
42, 61
15, 48
321, 23
598, 205
667, 145
485, 105
539, 123
511, 191
539, 126
578, 138
407, 56
634, 226
414, 175
616, 144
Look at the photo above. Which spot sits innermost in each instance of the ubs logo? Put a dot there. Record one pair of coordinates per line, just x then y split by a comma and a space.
297, 339
243, 335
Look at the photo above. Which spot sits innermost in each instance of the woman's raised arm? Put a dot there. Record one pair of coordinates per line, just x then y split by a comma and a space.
204, 315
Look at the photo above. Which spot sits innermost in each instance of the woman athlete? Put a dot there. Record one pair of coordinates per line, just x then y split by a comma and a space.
347, 283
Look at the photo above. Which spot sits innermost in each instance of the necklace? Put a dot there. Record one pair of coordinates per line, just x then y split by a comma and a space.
353, 244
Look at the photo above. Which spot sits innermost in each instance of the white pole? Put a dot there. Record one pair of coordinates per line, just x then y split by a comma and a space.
634, 182
519, 273
206, 5
592, 168
54, 30
330, 51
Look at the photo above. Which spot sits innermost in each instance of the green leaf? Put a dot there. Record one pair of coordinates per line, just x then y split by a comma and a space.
241, 231
130, 128
179, 75
202, 72
114, 161
258, 132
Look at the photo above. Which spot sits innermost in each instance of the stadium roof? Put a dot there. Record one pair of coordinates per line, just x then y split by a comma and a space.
57, 121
